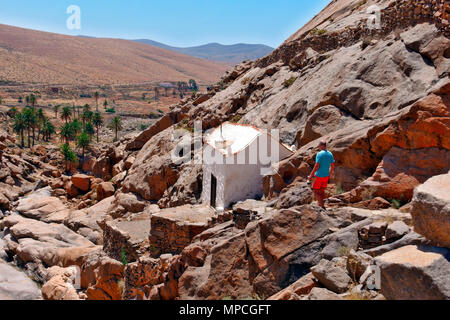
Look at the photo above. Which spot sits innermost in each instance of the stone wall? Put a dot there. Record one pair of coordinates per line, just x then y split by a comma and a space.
126, 240
174, 229
398, 15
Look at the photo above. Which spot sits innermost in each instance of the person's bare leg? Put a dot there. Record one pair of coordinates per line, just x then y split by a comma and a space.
319, 197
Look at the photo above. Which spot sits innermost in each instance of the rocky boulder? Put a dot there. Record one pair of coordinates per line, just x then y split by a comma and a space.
402, 170
332, 275
153, 130
35, 241
250, 210
296, 195
87, 221
102, 277
302, 286
322, 294
61, 286
105, 190
41, 206
396, 230
415, 273
15, 285
81, 182
431, 209
153, 171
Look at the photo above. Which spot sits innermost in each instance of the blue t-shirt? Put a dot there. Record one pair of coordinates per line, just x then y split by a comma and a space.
324, 159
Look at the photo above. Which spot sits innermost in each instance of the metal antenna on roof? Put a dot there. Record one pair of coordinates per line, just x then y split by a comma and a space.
221, 132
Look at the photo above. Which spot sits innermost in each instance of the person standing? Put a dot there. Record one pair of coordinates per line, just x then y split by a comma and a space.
322, 171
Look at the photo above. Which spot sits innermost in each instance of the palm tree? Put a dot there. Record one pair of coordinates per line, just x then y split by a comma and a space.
27, 100
69, 155
56, 108
105, 104
96, 96
30, 120
40, 120
66, 114
97, 120
19, 127
193, 85
87, 116
83, 142
76, 126
33, 100
66, 132
47, 130
89, 129
116, 126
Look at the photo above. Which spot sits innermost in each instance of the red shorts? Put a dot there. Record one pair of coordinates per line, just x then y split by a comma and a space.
320, 183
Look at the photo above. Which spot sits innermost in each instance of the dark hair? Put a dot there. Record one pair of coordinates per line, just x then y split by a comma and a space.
323, 143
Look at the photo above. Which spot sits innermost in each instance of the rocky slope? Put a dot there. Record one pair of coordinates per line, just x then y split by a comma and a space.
380, 98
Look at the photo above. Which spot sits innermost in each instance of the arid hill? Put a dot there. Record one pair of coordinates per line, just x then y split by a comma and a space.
28, 56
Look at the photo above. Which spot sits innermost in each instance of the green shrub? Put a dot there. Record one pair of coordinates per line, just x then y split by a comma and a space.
154, 115
124, 258
236, 118
396, 204
111, 110
318, 32
289, 82
344, 251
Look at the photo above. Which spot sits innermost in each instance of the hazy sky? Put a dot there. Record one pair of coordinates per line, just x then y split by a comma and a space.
176, 22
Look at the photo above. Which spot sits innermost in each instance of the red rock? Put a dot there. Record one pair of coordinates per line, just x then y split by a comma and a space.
88, 164
102, 168
71, 190
105, 190
81, 181
402, 170
301, 287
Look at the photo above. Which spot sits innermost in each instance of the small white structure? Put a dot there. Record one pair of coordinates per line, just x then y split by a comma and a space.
235, 159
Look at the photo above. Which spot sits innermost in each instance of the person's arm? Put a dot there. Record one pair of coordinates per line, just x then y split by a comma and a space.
316, 167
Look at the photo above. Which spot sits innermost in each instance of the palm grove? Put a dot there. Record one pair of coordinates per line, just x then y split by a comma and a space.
79, 127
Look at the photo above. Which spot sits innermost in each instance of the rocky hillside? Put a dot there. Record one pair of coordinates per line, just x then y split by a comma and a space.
132, 221
36, 57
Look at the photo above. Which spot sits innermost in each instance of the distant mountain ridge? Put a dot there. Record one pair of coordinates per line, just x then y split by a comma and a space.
230, 54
